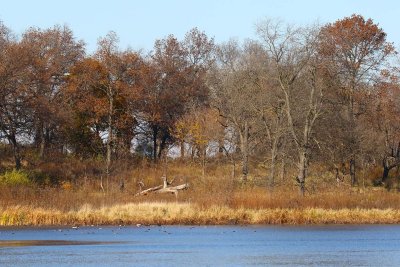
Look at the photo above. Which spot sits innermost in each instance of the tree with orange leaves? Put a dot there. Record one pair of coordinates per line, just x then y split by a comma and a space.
384, 117
175, 82
103, 88
355, 49
51, 53
199, 129
15, 99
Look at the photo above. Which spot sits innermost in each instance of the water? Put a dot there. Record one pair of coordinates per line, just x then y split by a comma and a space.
202, 246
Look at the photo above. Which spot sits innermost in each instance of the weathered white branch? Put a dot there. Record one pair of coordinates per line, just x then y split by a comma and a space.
164, 188
151, 189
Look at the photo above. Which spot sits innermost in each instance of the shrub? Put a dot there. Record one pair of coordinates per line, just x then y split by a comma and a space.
15, 178
66, 185
41, 179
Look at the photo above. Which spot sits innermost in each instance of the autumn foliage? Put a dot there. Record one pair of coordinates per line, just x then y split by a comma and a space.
313, 108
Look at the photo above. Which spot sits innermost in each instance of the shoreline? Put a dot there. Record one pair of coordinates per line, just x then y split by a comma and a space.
163, 213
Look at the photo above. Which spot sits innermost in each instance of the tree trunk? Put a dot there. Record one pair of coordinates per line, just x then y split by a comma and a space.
165, 167
182, 148
353, 171
203, 161
39, 138
302, 171
352, 166
17, 158
44, 141
16, 152
162, 145
155, 147
388, 164
283, 169
110, 138
233, 170
41, 147
337, 175
192, 152
385, 174
244, 145
220, 148
271, 178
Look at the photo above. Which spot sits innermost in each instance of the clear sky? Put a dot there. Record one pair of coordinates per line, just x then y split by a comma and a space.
139, 23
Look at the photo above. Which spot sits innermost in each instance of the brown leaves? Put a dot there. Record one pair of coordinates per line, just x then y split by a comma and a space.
355, 52
354, 41
175, 77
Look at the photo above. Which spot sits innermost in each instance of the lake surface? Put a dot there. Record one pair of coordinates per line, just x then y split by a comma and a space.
202, 246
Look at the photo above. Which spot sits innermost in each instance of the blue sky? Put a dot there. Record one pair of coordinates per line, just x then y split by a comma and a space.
139, 23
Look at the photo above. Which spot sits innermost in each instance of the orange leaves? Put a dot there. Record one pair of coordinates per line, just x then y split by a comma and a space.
174, 78
198, 127
354, 51
104, 90
354, 38
86, 78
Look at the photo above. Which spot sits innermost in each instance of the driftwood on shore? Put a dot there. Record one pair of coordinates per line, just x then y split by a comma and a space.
164, 188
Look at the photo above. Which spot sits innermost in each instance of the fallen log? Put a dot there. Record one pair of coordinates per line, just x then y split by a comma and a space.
148, 190
164, 188
173, 189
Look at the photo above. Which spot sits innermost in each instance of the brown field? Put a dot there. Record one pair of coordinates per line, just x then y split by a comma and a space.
215, 198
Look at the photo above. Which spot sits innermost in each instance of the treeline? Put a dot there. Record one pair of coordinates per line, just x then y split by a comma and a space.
296, 96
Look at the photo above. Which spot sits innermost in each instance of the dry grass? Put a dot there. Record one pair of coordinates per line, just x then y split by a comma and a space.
185, 213
213, 199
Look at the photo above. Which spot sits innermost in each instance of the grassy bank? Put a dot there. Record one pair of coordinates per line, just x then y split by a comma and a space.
184, 213
215, 198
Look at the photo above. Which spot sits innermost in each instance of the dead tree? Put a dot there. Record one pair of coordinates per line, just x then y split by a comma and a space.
164, 188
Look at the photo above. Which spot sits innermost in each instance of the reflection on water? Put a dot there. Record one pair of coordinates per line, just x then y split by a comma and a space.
202, 246
26, 243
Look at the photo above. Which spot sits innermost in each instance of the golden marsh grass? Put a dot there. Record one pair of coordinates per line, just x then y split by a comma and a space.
213, 199
190, 214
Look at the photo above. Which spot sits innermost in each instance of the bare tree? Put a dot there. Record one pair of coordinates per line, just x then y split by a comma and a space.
234, 90
268, 106
293, 53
